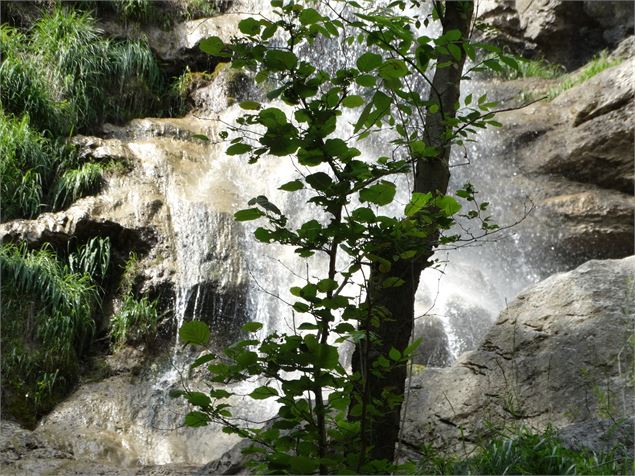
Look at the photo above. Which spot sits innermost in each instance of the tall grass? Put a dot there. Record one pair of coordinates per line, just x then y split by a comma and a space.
47, 324
61, 77
136, 321
529, 452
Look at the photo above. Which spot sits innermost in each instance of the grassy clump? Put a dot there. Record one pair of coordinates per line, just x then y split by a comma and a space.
68, 77
60, 77
136, 321
598, 64
529, 68
528, 452
47, 324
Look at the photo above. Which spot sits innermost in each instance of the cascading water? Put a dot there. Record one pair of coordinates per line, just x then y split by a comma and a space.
225, 277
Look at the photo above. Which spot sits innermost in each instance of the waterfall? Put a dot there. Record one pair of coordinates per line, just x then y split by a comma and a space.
225, 277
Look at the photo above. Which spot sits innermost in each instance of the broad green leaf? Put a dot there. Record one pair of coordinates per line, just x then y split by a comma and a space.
202, 360
202, 137
452, 35
393, 68
363, 214
455, 51
381, 193
292, 186
252, 326
199, 399
237, 149
280, 60
353, 101
309, 16
448, 205
194, 332
326, 285
250, 105
261, 393
369, 61
366, 80
417, 202
249, 26
319, 181
196, 419
248, 214
394, 354
212, 46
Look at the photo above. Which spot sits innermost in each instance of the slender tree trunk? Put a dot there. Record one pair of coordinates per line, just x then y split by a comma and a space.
432, 175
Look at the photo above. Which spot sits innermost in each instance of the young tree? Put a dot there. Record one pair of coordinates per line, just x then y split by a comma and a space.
331, 419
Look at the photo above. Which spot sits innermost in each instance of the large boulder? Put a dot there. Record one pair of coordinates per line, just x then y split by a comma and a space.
560, 354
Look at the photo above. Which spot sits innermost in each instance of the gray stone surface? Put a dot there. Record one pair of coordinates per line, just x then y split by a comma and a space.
562, 353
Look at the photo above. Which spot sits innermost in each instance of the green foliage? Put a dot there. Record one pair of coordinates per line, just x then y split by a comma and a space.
27, 162
135, 321
528, 452
60, 77
47, 323
61, 71
598, 64
324, 412
529, 68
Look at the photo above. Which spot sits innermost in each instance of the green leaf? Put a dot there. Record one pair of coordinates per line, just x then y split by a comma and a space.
248, 214
301, 307
417, 202
194, 332
202, 137
394, 354
412, 347
309, 16
237, 149
280, 60
319, 181
261, 393
363, 214
455, 51
202, 360
196, 419
303, 464
393, 282
448, 205
366, 80
292, 186
452, 35
252, 326
353, 101
393, 68
213, 46
250, 105
326, 285
369, 61
381, 193
249, 26
199, 399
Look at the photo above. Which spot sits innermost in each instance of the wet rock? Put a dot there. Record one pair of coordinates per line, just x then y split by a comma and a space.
573, 158
563, 32
560, 354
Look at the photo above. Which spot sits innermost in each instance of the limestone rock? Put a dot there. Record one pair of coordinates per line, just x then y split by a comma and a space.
561, 353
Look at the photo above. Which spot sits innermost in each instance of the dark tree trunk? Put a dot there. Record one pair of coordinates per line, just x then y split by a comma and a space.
395, 328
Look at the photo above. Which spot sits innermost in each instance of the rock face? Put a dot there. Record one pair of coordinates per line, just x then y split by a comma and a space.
561, 353
563, 32
573, 158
